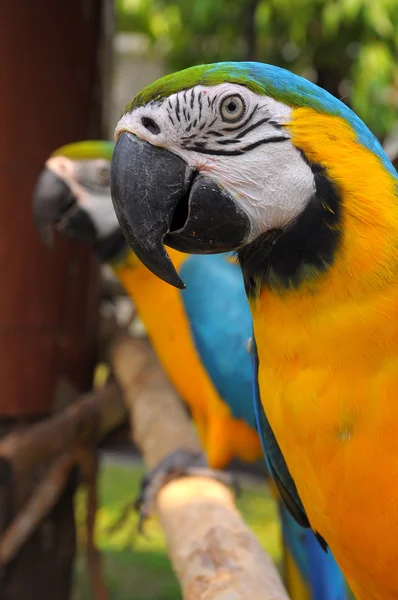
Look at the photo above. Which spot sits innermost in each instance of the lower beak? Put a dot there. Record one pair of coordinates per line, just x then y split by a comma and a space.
159, 198
54, 206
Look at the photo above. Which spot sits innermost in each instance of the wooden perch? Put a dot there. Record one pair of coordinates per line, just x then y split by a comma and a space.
61, 441
147, 395
88, 462
87, 420
213, 552
42, 501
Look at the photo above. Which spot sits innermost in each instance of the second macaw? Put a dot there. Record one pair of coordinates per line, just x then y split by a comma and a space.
199, 335
73, 194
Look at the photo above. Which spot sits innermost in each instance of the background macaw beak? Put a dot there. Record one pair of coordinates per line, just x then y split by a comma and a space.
159, 198
54, 206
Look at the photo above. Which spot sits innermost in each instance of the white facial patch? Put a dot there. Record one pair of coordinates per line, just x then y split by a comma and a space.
252, 156
97, 204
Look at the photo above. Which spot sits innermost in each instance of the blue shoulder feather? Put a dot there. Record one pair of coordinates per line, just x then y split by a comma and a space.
221, 325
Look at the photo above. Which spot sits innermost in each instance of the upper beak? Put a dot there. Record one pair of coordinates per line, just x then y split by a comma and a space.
55, 205
159, 198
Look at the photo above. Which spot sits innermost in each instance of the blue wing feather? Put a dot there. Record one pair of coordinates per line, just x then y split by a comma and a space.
327, 581
221, 325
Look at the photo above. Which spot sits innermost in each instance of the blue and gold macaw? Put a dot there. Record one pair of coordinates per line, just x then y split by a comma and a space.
199, 335
252, 158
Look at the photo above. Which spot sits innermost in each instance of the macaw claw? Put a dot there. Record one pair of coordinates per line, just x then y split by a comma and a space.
181, 463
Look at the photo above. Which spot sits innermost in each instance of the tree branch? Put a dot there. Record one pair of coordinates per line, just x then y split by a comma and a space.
213, 552
41, 502
87, 420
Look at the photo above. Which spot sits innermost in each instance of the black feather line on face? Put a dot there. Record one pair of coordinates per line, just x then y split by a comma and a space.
282, 258
251, 128
227, 142
215, 133
177, 109
203, 149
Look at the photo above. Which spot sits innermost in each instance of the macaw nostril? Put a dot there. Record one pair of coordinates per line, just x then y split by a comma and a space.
150, 124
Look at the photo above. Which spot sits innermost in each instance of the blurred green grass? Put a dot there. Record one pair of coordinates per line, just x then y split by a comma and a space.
136, 566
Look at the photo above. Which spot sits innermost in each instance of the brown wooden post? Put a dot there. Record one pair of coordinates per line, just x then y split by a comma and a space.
51, 88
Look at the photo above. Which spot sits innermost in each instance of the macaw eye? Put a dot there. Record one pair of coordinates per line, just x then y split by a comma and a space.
232, 108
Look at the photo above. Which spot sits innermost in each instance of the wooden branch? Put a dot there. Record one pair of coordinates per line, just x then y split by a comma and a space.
88, 420
42, 500
213, 552
147, 392
62, 441
45, 496
89, 467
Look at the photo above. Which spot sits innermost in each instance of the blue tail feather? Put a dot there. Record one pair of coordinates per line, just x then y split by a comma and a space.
318, 569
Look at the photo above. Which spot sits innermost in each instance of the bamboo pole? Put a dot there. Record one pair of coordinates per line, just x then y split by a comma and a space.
214, 554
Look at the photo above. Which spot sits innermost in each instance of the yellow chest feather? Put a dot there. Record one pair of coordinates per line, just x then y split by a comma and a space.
328, 372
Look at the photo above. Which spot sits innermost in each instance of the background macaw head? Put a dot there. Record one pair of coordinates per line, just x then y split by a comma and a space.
207, 161
72, 193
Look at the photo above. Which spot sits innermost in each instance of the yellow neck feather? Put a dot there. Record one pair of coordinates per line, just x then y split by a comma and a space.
368, 252
328, 373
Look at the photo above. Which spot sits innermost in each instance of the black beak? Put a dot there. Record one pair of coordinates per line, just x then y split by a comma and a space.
54, 206
159, 198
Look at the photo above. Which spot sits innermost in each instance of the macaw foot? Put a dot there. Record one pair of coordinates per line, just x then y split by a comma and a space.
181, 463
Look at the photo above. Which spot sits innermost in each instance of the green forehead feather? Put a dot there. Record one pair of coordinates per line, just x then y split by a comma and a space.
206, 75
87, 150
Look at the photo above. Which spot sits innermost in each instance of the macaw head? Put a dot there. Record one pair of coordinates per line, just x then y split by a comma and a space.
234, 156
72, 193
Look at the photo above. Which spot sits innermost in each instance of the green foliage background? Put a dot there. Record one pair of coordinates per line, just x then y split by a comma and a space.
349, 47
